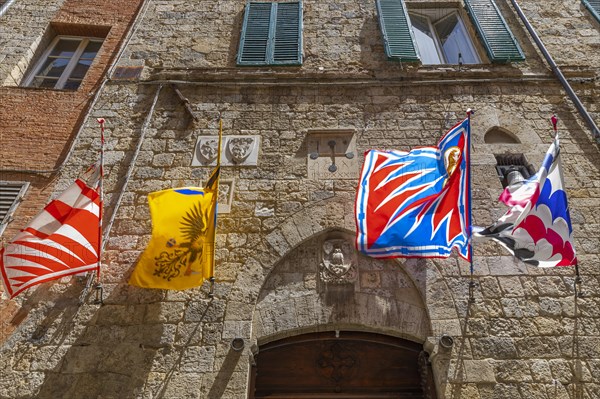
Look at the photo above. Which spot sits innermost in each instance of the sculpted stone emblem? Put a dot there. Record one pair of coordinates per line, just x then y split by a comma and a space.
339, 262
207, 150
240, 148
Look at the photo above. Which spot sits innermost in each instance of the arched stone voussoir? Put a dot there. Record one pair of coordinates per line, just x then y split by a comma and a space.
330, 214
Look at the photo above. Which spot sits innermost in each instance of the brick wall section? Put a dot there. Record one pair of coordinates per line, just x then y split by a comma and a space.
50, 117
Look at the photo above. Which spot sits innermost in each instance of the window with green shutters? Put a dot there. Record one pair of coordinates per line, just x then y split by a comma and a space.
594, 7
271, 34
417, 36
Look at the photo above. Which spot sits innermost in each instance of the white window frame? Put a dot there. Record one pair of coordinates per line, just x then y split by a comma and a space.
62, 80
438, 44
8, 217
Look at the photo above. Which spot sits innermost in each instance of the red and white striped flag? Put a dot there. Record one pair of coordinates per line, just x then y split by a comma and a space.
64, 239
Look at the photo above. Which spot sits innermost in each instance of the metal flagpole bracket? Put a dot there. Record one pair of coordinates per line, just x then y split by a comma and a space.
472, 285
211, 292
185, 102
99, 294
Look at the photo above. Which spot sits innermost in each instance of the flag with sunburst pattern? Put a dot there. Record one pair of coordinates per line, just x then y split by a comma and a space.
416, 203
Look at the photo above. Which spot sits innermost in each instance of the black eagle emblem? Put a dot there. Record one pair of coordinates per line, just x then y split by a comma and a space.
183, 255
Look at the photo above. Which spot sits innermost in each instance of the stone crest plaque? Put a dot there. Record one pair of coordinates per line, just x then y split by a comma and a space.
240, 148
235, 151
207, 150
332, 154
338, 264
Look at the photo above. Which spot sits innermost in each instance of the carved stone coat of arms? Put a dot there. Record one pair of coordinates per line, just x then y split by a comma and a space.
338, 264
240, 148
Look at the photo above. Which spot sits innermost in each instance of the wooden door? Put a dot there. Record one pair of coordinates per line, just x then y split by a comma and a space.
353, 365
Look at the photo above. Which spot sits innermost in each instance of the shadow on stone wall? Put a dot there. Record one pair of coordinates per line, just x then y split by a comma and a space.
111, 357
223, 377
458, 376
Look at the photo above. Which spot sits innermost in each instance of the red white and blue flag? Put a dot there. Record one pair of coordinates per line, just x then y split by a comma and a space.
537, 227
417, 203
64, 239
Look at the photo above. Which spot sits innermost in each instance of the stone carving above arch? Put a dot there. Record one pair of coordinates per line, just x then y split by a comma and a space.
295, 299
338, 264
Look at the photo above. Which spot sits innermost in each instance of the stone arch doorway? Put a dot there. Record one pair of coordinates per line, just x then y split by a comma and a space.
323, 286
341, 365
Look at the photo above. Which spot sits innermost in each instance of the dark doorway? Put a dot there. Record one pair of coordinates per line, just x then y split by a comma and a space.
352, 365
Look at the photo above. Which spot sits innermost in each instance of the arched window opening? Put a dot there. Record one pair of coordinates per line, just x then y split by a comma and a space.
497, 135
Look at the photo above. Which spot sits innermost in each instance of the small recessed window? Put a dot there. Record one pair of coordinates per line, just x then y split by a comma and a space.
65, 63
498, 135
513, 169
443, 40
11, 194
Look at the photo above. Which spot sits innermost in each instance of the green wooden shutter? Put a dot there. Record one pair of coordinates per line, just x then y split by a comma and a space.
255, 44
497, 37
287, 48
593, 6
271, 34
396, 31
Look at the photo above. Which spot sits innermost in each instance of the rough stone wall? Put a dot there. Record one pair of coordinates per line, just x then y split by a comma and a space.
526, 334
568, 30
570, 33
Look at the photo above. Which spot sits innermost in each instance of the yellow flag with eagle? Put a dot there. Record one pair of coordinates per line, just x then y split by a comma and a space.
180, 254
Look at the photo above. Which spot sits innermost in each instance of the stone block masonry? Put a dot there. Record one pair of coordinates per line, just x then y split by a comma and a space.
525, 335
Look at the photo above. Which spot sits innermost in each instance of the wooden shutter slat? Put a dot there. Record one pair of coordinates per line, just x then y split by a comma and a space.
497, 37
255, 34
271, 34
396, 31
288, 32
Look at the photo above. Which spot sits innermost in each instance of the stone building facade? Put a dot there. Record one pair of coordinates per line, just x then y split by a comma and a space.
528, 333
37, 126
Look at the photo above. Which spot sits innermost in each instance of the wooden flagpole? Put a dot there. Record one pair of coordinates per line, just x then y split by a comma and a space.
554, 120
95, 275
